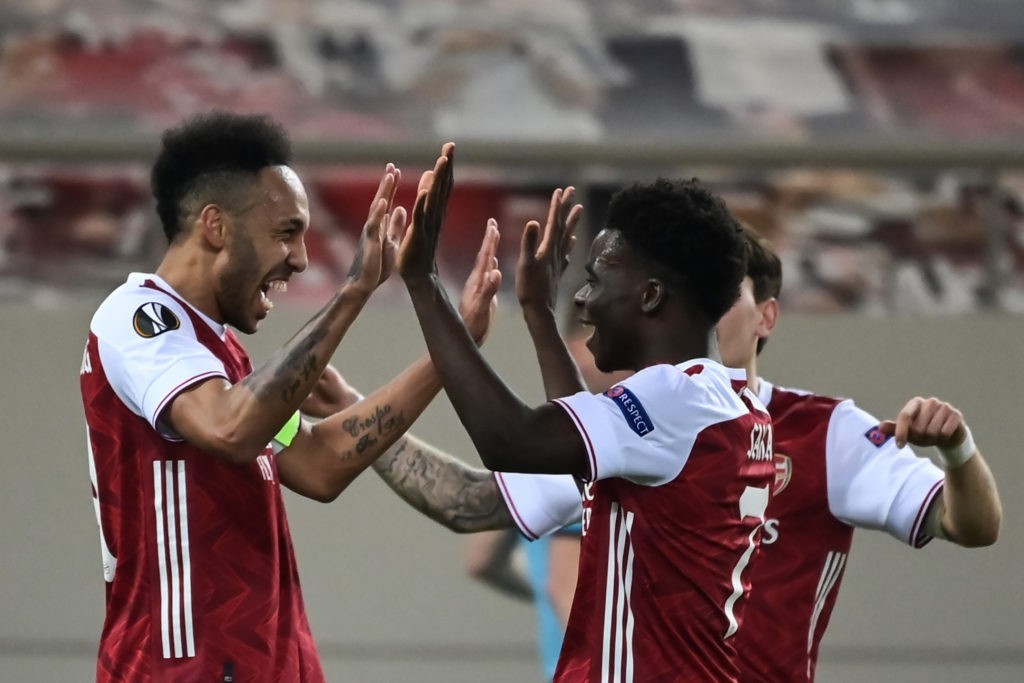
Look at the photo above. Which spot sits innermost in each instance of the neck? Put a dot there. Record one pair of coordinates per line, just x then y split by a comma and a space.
673, 345
753, 381
188, 273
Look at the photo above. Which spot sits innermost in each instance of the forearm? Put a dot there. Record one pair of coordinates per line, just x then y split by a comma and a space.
269, 396
491, 413
332, 453
450, 492
972, 511
558, 369
236, 422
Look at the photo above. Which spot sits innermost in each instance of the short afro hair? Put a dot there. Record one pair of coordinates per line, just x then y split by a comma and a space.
688, 237
208, 159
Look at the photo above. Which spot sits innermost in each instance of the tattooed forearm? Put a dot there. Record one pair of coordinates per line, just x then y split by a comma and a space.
291, 372
371, 425
450, 492
380, 421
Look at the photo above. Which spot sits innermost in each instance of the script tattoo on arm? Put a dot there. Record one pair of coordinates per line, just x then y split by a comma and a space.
291, 369
462, 498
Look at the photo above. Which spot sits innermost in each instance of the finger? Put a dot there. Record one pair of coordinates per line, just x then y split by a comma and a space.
571, 221
887, 427
952, 429
492, 283
447, 176
412, 227
552, 222
438, 187
568, 194
386, 187
485, 254
489, 249
397, 225
426, 182
937, 417
528, 245
493, 237
904, 424
378, 210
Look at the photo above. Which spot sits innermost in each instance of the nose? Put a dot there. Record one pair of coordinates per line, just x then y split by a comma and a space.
580, 297
298, 259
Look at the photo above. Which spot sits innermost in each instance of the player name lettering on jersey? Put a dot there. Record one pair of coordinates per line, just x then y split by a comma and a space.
760, 443
588, 511
769, 531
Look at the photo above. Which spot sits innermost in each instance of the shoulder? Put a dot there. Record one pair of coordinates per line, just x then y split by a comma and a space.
788, 402
137, 311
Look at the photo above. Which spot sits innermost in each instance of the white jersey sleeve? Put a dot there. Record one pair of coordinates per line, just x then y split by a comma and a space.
149, 350
644, 428
874, 484
540, 504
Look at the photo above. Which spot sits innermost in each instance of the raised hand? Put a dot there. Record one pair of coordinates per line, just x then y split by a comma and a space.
417, 254
540, 266
927, 422
480, 294
375, 257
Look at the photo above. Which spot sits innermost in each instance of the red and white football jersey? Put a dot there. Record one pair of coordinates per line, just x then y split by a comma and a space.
681, 471
540, 504
834, 470
201, 581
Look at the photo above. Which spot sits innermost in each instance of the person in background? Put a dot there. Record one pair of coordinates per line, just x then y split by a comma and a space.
838, 468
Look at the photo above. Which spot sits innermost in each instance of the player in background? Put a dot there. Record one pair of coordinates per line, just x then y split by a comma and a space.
188, 444
837, 469
677, 462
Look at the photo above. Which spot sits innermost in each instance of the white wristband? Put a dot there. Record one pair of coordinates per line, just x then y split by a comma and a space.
958, 455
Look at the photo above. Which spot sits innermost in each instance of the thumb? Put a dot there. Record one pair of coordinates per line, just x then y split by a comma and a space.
891, 428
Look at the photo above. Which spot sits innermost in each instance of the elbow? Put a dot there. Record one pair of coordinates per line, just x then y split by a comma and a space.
324, 496
983, 536
981, 533
233, 449
328, 489
498, 454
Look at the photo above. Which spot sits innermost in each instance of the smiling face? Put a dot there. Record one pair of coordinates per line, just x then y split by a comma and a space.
264, 246
610, 301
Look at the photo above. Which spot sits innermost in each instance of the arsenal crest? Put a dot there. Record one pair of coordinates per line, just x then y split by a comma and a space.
783, 472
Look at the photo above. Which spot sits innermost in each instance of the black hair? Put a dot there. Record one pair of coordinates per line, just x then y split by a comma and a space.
689, 237
764, 268
209, 158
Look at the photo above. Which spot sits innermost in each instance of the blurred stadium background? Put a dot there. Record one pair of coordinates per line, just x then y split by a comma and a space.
878, 143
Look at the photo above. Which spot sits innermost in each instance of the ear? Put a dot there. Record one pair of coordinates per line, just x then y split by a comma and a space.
212, 224
652, 295
769, 316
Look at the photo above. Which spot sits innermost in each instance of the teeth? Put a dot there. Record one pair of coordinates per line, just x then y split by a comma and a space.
278, 285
